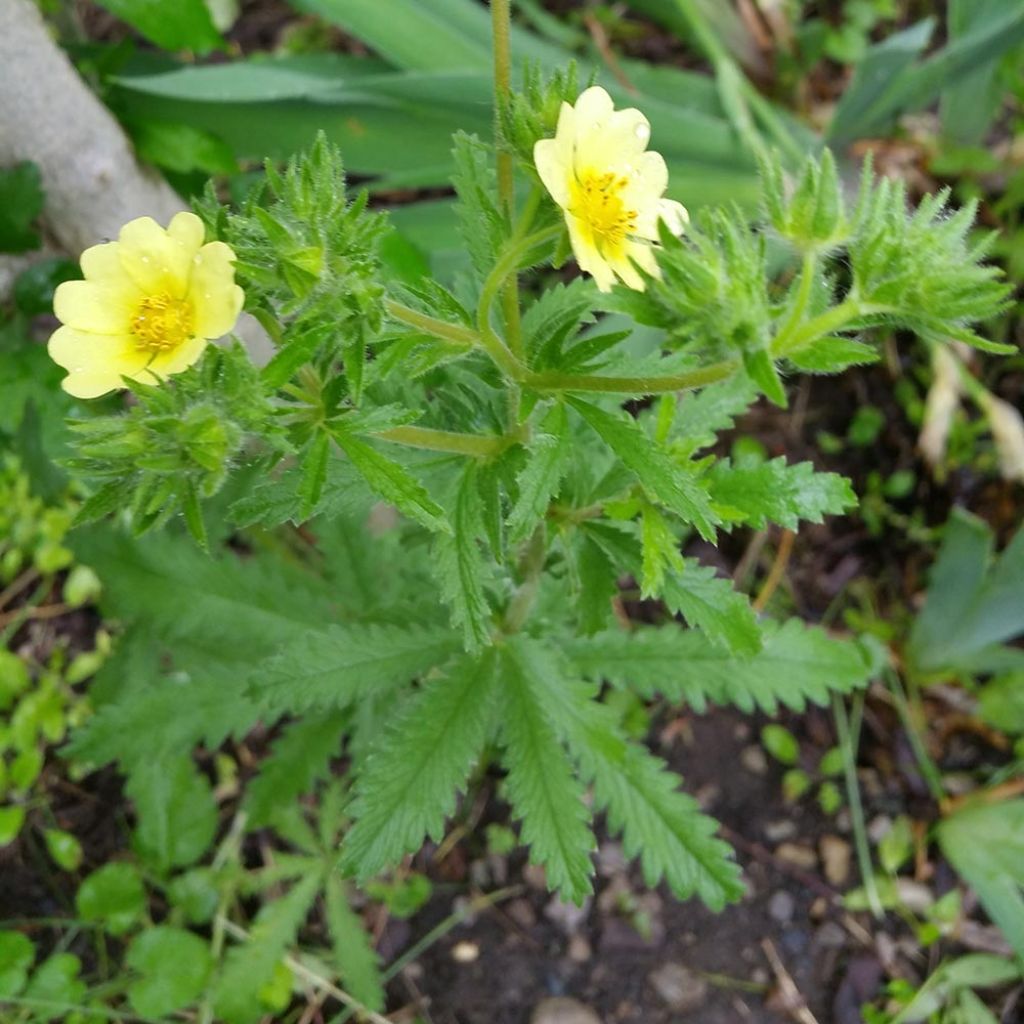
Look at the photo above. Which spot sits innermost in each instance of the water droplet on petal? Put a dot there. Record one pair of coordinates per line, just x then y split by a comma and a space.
643, 131
145, 259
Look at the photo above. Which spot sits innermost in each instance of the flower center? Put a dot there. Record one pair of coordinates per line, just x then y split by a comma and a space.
162, 322
597, 201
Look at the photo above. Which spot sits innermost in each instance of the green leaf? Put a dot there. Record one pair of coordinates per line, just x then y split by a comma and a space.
781, 744
177, 814
1001, 702
541, 785
183, 25
833, 354
598, 584
393, 482
661, 552
797, 664
56, 981
354, 955
64, 848
16, 957
249, 966
174, 965
971, 605
538, 482
659, 475
407, 786
459, 564
314, 474
779, 492
483, 226
113, 895
182, 148
985, 843
341, 665
659, 824
21, 202
300, 757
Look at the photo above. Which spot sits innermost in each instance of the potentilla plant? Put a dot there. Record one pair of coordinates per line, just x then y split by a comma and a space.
490, 415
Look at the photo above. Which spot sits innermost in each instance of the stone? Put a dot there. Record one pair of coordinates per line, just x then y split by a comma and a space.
567, 916
776, 831
579, 950
782, 906
754, 759
678, 987
562, 1010
465, 952
835, 856
798, 855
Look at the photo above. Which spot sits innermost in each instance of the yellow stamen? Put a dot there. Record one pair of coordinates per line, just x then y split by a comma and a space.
162, 322
597, 203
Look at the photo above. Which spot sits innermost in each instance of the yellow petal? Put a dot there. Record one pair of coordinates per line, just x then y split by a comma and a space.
216, 299
674, 214
643, 256
177, 359
648, 179
96, 308
620, 137
592, 108
96, 362
588, 256
554, 173
187, 230
156, 261
102, 263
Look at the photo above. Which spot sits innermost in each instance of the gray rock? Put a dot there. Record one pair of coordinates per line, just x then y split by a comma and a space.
562, 1010
678, 987
782, 907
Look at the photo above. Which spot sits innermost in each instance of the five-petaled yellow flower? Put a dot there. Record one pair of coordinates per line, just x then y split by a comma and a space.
610, 189
149, 304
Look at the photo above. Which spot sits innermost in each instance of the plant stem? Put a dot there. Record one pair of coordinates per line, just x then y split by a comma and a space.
633, 385
834, 319
911, 714
803, 297
531, 568
501, 29
849, 739
479, 445
459, 334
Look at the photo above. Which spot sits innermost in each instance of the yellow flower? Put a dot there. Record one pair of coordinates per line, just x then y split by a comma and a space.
149, 304
610, 189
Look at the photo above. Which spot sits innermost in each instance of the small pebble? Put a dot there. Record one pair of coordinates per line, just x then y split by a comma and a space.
610, 859
782, 907
562, 1010
465, 952
797, 855
835, 855
567, 916
579, 950
754, 759
679, 988
776, 831
521, 911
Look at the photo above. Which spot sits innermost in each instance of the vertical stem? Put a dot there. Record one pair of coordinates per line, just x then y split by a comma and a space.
501, 25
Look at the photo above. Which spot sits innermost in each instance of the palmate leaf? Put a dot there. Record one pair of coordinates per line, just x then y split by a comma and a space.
459, 563
408, 783
780, 493
661, 478
660, 824
705, 600
541, 784
797, 664
354, 955
300, 757
549, 452
249, 966
483, 226
340, 664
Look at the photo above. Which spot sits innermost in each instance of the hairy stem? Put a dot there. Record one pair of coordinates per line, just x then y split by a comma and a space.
459, 334
478, 445
633, 385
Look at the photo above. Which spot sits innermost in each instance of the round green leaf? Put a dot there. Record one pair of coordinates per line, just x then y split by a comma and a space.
57, 981
781, 744
174, 965
195, 895
64, 848
14, 678
11, 820
114, 895
16, 956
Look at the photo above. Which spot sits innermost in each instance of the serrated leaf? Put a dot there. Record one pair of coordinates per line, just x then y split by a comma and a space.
354, 955
549, 452
407, 786
659, 824
597, 586
314, 474
300, 757
700, 416
177, 814
797, 664
482, 225
833, 354
541, 784
459, 564
780, 492
393, 482
341, 664
660, 548
249, 966
660, 477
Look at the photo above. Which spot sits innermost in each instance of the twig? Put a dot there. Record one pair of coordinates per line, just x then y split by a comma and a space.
993, 795
20, 581
777, 571
793, 1002
47, 611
